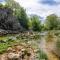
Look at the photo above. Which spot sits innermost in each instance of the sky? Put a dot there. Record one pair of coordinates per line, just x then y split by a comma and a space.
1, 0
41, 8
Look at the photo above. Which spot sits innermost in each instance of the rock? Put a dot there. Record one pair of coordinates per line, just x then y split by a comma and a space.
3, 57
23, 50
19, 52
9, 49
18, 48
12, 56
12, 38
3, 32
28, 54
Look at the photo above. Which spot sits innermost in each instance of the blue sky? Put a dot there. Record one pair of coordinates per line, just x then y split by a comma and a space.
1, 0
42, 8
50, 2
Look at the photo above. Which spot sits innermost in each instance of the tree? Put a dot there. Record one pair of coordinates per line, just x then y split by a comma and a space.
36, 23
1, 5
12, 4
19, 12
51, 22
23, 19
30, 24
58, 27
7, 20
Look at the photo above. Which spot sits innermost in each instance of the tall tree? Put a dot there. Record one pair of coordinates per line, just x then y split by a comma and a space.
13, 4
19, 12
51, 22
23, 19
36, 23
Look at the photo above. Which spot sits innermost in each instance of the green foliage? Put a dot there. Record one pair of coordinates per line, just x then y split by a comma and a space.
51, 22
7, 20
12, 4
3, 47
30, 24
36, 23
23, 19
58, 27
19, 12
41, 55
1, 5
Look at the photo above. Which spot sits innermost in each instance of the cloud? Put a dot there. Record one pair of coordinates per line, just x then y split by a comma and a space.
36, 7
57, 0
50, 2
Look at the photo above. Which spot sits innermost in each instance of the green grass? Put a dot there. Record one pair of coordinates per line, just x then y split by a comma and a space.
3, 47
6, 42
29, 40
41, 55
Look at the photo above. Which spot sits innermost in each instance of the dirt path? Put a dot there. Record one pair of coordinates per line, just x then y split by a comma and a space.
50, 54
47, 48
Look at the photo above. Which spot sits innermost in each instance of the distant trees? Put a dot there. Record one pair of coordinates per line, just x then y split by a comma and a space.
58, 27
14, 17
36, 23
51, 22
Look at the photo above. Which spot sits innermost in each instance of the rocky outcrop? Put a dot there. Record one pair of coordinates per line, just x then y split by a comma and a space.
18, 53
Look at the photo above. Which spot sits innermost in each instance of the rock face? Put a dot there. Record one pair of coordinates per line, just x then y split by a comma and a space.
3, 32
8, 21
18, 53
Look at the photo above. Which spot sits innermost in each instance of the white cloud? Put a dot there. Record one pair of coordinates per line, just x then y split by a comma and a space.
57, 0
33, 7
